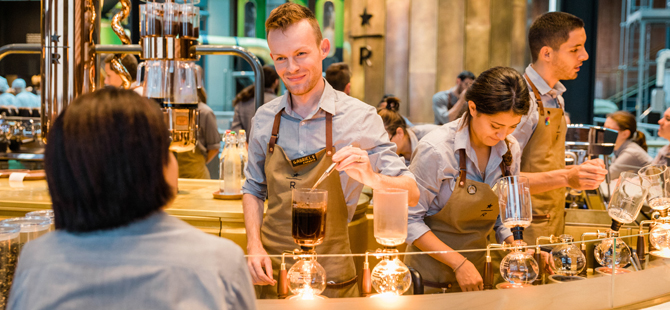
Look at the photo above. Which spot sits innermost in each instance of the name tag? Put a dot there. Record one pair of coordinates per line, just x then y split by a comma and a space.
304, 160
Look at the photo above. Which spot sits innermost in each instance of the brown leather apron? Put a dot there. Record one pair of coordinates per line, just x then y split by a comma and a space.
192, 165
282, 176
464, 223
545, 151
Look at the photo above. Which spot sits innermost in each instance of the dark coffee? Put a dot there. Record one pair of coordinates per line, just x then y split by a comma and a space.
187, 30
309, 225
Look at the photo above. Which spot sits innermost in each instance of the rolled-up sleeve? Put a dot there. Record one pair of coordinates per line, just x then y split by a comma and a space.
526, 127
256, 183
425, 166
381, 151
502, 232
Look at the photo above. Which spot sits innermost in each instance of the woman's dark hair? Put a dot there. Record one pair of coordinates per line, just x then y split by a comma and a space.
105, 160
390, 116
626, 121
499, 89
269, 76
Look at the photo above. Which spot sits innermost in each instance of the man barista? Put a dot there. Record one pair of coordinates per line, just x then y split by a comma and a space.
556, 42
294, 138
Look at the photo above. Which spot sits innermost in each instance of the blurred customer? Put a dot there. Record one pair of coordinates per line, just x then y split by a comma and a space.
663, 156
630, 148
113, 79
193, 165
37, 82
567, 118
6, 98
339, 76
244, 102
24, 98
384, 103
445, 100
405, 138
110, 176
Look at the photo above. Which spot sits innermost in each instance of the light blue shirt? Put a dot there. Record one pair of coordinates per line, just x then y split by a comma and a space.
417, 133
156, 263
26, 99
629, 157
528, 123
435, 165
354, 123
7, 99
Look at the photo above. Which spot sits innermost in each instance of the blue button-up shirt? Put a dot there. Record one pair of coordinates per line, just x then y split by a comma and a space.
529, 121
435, 165
354, 123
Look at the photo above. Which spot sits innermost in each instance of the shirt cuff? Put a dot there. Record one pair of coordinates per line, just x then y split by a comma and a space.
214, 146
502, 233
254, 189
415, 230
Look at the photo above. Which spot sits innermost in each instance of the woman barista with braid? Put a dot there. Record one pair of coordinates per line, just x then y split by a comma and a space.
455, 167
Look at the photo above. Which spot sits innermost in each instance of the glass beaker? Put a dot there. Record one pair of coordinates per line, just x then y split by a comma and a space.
657, 178
519, 267
567, 259
31, 228
307, 278
516, 211
154, 19
190, 21
390, 216
9, 253
153, 80
171, 20
309, 216
627, 199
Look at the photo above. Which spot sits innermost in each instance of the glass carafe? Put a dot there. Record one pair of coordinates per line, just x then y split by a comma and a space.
516, 211
567, 259
391, 276
657, 180
659, 237
627, 199
604, 251
309, 216
519, 268
307, 278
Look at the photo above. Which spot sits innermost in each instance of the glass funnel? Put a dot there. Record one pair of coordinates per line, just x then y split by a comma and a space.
391, 276
309, 216
390, 220
307, 278
516, 210
627, 199
657, 177
519, 268
604, 250
659, 237
567, 259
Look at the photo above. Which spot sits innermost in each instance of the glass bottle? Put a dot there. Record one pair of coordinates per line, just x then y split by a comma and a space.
568, 259
230, 167
244, 155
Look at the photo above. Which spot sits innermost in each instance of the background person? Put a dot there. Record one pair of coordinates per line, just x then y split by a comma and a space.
445, 100
113, 79
630, 148
110, 176
24, 98
663, 156
245, 104
338, 76
6, 98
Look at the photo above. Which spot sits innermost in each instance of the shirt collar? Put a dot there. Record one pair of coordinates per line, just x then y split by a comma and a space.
326, 103
541, 85
622, 147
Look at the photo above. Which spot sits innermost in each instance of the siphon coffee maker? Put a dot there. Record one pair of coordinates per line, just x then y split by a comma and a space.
391, 276
306, 279
518, 268
658, 200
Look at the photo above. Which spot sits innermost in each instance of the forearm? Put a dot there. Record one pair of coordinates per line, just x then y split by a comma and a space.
455, 111
211, 154
381, 181
252, 207
541, 182
429, 242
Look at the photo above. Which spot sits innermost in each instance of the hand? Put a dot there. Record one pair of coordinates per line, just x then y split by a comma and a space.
256, 264
588, 175
548, 259
469, 278
356, 163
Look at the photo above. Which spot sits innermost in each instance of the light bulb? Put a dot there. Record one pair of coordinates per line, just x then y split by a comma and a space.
306, 278
604, 250
391, 276
659, 237
568, 259
519, 267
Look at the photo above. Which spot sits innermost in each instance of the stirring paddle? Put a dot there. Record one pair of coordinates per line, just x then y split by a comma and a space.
325, 174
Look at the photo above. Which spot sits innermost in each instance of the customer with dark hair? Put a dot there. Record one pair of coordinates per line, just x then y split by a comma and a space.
339, 76
245, 104
445, 100
449, 215
663, 156
405, 138
393, 105
630, 148
115, 80
110, 176
556, 42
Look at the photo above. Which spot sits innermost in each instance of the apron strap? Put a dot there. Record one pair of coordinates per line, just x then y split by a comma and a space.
329, 134
505, 169
275, 131
538, 97
463, 168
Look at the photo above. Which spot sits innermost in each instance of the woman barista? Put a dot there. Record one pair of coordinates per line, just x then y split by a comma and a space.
455, 167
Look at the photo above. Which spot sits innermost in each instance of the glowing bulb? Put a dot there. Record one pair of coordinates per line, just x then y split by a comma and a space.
659, 237
391, 276
306, 279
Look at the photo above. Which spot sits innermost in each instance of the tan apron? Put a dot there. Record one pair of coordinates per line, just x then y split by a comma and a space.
282, 177
545, 151
192, 165
464, 223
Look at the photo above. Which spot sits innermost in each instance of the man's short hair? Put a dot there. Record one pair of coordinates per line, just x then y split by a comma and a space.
105, 161
129, 61
290, 13
466, 75
338, 75
551, 29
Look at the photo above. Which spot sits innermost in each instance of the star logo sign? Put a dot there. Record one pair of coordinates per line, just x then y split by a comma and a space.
365, 17
489, 206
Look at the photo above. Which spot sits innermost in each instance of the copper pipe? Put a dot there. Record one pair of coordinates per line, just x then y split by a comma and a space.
90, 10
116, 64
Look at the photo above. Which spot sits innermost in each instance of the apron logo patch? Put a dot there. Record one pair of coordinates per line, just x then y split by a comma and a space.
485, 212
292, 184
304, 160
546, 121
472, 190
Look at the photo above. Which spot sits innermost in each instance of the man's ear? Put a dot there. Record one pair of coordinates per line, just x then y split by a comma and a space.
546, 53
325, 48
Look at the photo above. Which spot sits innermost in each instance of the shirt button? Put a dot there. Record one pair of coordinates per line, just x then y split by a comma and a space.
302, 123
